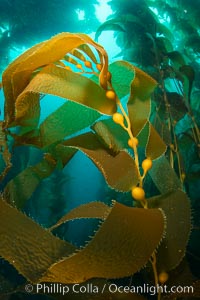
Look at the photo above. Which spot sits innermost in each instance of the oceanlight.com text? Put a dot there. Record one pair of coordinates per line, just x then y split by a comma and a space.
58, 288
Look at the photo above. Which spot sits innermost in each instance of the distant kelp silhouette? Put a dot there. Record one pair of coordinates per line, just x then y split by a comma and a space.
128, 237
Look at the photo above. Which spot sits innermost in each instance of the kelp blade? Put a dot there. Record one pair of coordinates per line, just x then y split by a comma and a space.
63, 83
139, 104
118, 170
97, 210
26, 245
118, 248
18, 74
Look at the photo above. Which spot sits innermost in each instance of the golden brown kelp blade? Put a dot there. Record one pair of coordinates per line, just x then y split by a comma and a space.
26, 245
60, 82
10, 84
151, 141
111, 135
117, 248
97, 210
18, 74
122, 245
155, 147
86, 49
119, 171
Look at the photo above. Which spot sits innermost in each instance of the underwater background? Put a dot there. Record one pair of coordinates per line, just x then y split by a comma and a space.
162, 38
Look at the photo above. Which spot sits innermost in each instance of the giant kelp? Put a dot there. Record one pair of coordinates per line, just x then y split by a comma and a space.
162, 38
128, 238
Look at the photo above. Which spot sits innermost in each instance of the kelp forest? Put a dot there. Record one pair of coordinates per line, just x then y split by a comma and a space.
100, 154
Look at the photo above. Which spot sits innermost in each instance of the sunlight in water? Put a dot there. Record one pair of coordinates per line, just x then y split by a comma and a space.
164, 19
81, 14
103, 10
106, 39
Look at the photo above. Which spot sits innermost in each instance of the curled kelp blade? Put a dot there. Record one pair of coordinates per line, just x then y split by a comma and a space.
88, 51
97, 210
103, 59
66, 84
176, 207
119, 170
18, 74
10, 84
111, 135
122, 245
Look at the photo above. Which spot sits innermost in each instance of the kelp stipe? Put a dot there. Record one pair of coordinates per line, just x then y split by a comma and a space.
128, 237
